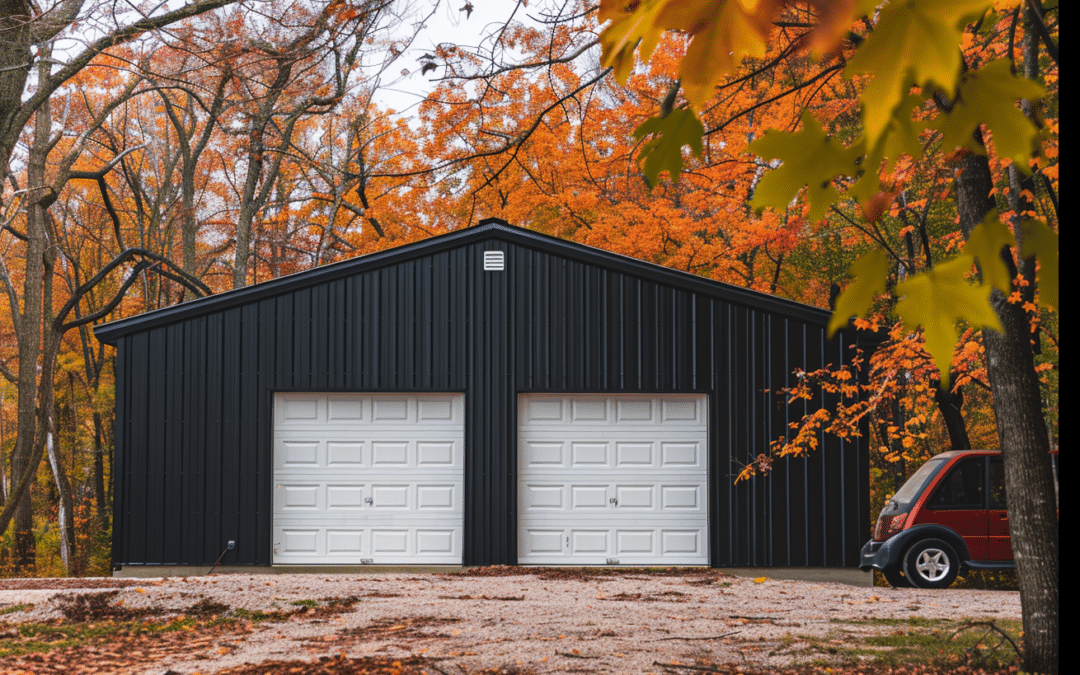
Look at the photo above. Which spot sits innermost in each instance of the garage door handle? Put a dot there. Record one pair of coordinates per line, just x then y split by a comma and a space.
614, 501
369, 500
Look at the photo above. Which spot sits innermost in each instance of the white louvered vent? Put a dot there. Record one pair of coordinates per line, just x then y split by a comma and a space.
494, 261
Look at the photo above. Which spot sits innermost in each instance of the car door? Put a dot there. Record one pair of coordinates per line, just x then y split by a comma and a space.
1000, 543
959, 503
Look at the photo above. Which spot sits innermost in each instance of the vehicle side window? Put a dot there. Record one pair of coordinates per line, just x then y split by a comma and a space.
962, 488
997, 484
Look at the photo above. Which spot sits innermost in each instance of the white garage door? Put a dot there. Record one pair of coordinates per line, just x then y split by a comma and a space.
612, 480
368, 479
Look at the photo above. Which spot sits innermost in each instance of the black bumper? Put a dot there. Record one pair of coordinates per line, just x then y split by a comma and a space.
877, 555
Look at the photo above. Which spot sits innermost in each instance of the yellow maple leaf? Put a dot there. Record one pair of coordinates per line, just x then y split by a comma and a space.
808, 157
870, 272
915, 42
1042, 242
988, 96
985, 243
938, 298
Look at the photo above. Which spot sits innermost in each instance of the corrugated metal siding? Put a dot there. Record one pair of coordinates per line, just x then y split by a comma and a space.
194, 398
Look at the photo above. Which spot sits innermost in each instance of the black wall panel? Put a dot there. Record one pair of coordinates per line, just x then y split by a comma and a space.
194, 395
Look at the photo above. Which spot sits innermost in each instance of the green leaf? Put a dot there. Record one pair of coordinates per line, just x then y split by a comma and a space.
663, 152
985, 243
870, 272
808, 157
1042, 242
936, 299
989, 97
914, 42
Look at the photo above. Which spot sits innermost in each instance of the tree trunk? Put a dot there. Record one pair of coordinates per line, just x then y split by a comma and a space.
46, 424
950, 404
29, 339
65, 517
1029, 482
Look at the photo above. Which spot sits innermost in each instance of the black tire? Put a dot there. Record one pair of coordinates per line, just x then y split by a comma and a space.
896, 578
931, 563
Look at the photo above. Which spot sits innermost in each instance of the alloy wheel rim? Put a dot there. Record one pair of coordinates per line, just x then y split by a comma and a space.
932, 564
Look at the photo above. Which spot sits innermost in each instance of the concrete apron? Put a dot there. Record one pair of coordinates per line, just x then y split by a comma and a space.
837, 575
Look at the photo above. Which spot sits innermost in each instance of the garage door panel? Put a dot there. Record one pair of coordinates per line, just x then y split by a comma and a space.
435, 410
683, 497
544, 410
589, 410
345, 542
636, 542
345, 497
588, 453
588, 497
298, 411
688, 455
683, 411
300, 497
345, 454
635, 497
430, 498
344, 408
438, 542
634, 410
634, 454
389, 409
589, 541
300, 453
365, 478
612, 478
683, 542
301, 541
543, 497
389, 454
436, 454
541, 453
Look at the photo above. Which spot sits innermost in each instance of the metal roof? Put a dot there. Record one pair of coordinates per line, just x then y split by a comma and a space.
486, 229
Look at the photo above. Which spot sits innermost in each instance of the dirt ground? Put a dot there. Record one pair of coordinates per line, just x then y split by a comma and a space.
489, 620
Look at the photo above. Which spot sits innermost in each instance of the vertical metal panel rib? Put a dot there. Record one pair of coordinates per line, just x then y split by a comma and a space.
173, 478
136, 508
214, 396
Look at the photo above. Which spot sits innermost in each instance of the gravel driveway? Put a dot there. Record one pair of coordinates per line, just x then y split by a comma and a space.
531, 620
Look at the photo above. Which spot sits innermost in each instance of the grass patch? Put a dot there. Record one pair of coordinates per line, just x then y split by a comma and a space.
310, 604
15, 608
937, 643
30, 638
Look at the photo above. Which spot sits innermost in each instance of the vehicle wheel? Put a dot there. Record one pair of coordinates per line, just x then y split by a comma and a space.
931, 563
896, 578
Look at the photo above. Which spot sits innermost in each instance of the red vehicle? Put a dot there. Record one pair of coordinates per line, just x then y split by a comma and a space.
948, 518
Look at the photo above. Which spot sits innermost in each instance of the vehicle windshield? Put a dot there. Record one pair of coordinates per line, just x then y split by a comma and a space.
914, 485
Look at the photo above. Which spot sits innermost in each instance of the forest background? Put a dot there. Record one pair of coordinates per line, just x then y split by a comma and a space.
155, 158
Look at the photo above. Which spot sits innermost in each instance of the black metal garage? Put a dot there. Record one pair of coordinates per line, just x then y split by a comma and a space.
196, 384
